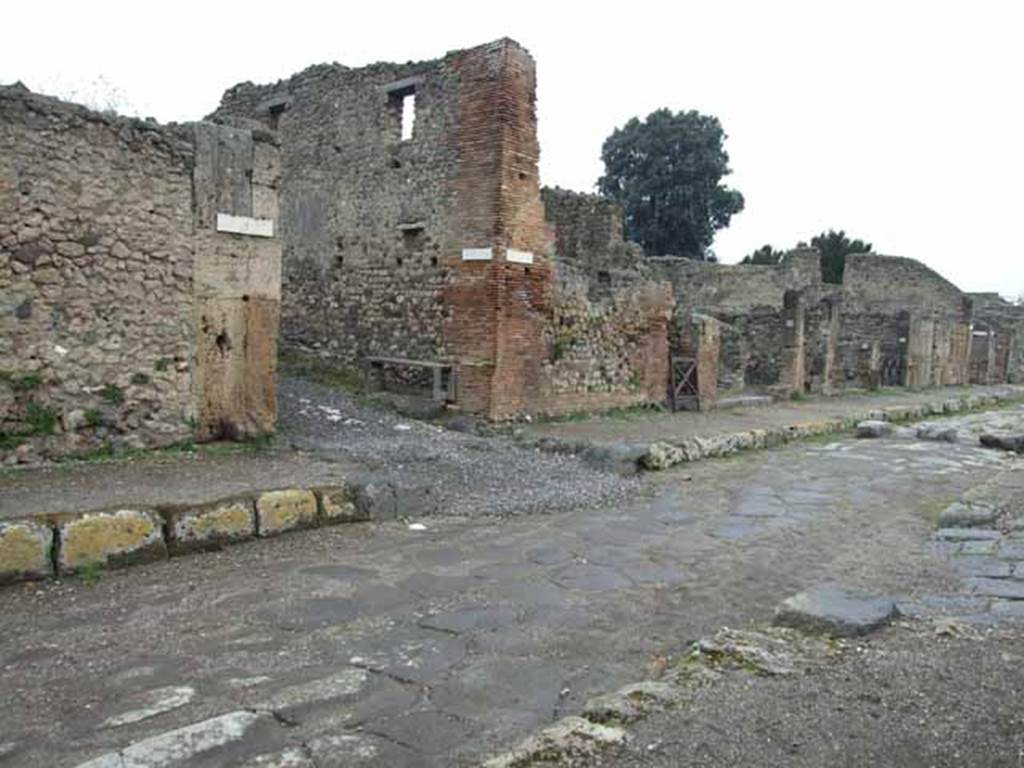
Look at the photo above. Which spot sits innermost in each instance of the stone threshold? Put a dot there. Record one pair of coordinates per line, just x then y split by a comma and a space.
45, 546
630, 458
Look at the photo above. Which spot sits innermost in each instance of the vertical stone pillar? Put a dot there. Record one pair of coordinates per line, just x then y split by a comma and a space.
793, 367
237, 282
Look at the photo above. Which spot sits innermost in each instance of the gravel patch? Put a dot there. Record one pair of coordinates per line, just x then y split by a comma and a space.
466, 475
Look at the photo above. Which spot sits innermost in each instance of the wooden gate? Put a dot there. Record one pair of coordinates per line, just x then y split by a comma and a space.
685, 394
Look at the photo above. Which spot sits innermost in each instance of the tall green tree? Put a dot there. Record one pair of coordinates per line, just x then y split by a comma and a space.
763, 255
666, 172
834, 248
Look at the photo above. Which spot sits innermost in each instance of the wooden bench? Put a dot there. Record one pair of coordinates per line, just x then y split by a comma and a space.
441, 371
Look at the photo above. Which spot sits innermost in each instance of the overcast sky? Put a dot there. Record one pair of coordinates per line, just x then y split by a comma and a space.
901, 122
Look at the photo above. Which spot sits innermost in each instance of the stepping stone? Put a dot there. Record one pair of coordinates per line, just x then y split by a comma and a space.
836, 611
937, 432
874, 428
1013, 443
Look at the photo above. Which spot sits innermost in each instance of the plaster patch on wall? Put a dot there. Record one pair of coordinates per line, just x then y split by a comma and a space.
519, 257
245, 225
477, 254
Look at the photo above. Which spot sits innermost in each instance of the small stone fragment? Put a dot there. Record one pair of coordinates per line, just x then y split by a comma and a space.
569, 738
661, 456
836, 611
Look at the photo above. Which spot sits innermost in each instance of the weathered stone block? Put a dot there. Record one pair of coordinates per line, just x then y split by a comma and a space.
835, 611
338, 505
25, 548
873, 428
211, 526
280, 511
113, 538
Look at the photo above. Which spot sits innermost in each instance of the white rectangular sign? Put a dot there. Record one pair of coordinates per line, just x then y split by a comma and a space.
245, 225
519, 257
476, 254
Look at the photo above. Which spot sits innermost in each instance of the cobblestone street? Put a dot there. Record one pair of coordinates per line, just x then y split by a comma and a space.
380, 644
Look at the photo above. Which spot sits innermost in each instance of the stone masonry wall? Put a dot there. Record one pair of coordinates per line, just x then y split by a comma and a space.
99, 254
96, 265
365, 216
437, 246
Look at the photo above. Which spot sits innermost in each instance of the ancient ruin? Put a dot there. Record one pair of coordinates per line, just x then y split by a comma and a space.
396, 214
139, 279
399, 587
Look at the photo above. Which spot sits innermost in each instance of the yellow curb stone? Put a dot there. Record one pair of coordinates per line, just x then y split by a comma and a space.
280, 511
211, 526
25, 551
338, 505
110, 538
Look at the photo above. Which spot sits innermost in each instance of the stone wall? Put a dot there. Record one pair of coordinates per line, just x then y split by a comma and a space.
435, 245
999, 335
106, 274
366, 217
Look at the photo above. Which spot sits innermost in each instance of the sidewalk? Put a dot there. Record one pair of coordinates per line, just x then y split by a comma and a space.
651, 440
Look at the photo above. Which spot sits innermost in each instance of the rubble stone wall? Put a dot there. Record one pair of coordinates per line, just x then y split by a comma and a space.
104, 269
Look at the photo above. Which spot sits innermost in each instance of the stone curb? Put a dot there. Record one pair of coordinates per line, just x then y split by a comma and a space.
44, 546
634, 458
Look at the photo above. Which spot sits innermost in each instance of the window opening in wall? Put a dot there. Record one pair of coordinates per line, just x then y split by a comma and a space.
274, 120
408, 114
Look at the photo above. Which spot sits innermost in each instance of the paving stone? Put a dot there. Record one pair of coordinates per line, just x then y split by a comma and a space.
346, 684
351, 750
319, 612
988, 567
25, 550
1007, 589
978, 547
280, 511
406, 653
183, 744
966, 515
836, 611
1011, 549
500, 682
432, 732
1008, 609
292, 757
873, 428
471, 620
150, 704
120, 537
338, 505
593, 578
343, 573
967, 534
211, 526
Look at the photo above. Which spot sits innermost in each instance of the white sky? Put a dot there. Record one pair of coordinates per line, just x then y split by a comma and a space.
896, 121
